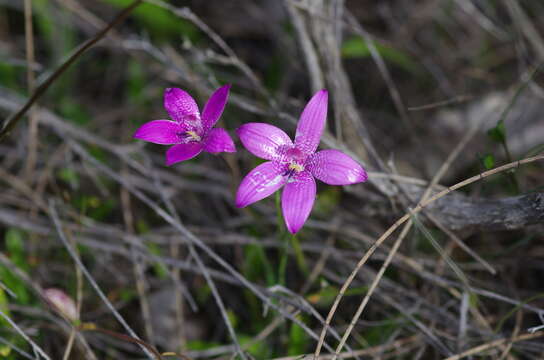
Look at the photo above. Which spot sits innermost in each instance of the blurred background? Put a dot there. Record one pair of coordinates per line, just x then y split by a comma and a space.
424, 93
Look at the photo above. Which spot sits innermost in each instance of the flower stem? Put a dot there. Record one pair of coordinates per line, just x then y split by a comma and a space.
283, 262
288, 240
299, 254
284, 257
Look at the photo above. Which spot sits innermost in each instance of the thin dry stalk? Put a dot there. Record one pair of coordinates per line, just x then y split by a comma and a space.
310, 54
379, 350
32, 118
492, 344
527, 27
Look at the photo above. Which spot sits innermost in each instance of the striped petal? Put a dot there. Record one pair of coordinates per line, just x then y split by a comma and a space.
215, 106
297, 200
219, 140
263, 140
333, 167
259, 183
181, 106
182, 152
163, 132
311, 123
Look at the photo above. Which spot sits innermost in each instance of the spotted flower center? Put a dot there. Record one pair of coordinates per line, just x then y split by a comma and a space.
293, 160
296, 167
189, 136
192, 135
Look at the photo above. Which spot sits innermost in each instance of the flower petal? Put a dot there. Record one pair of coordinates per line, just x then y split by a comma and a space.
311, 123
219, 140
259, 183
263, 140
297, 200
333, 167
182, 152
215, 106
164, 132
180, 105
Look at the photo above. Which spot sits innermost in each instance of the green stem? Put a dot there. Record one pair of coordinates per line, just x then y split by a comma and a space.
284, 257
283, 263
279, 216
288, 240
299, 254
511, 174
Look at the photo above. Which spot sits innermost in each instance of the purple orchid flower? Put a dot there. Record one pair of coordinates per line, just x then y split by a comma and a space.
188, 131
294, 165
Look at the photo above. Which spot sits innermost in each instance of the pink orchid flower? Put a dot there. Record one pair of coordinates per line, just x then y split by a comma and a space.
294, 165
188, 131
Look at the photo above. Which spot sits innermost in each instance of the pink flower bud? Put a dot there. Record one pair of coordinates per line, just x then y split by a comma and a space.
61, 302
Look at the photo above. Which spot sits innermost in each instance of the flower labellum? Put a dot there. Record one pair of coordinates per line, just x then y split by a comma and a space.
294, 165
189, 131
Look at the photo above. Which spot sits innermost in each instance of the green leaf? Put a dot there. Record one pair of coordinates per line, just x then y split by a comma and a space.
327, 294
96, 208
127, 294
256, 265
160, 269
498, 133
258, 349
473, 300
274, 73
203, 293
327, 201
377, 334
98, 153
158, 21
9, 75
3, 306
73, 111
201, 345
489, 161
298, 340
15, 245
45, 23
69, 176
142, 227
15, 285
136, 82
5, 351
14, 240
233, 319
356, 47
